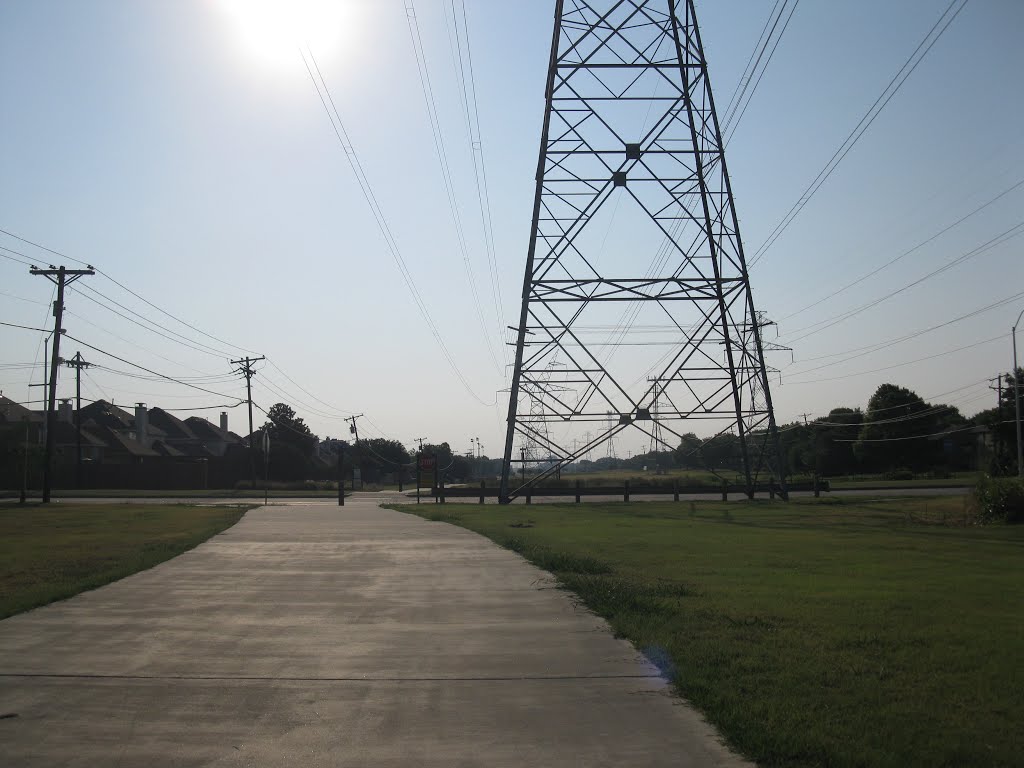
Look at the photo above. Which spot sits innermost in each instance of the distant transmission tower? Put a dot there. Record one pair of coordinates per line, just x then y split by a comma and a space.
632, 168
609, 425
657, 438
538, 442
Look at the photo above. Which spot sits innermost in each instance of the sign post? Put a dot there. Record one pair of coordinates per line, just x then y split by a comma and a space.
266, 466
341, 475
425, 462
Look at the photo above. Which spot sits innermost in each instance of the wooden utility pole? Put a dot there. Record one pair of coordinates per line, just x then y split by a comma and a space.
61, 277
78, 364
247, 371
357, 462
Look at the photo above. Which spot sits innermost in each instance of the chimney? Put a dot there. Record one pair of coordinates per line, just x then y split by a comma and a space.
141, 423
65, 412
224, 420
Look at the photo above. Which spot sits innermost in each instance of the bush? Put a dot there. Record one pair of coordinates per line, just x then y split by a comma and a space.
899, 474
289, 485
1000, 499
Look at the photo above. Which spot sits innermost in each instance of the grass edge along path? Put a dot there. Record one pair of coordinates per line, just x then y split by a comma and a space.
832, 633
53, 552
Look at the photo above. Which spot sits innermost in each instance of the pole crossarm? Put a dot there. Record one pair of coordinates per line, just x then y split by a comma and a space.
62, 278
634, 227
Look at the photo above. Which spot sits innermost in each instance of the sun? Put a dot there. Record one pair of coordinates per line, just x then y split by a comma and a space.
272, 31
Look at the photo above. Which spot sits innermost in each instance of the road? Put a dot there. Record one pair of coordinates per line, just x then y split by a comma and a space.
409, 497
313, 635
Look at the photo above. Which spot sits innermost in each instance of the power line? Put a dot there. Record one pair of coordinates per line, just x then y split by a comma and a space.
899, 365
13, 258
442, 157
865, 122
26, 327
212, 379
735, 118
1002, 237
21, 298
148, 370
124, 288
333, 408
862, 351
140, 347
748, 69
285, 396
915, 437
378, 214
472, 109
195, 346
894, 407
907, 252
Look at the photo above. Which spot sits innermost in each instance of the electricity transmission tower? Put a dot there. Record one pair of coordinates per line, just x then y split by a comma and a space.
631, 170
609, 425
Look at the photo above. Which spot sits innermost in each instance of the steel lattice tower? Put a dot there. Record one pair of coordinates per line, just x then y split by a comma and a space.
632, 168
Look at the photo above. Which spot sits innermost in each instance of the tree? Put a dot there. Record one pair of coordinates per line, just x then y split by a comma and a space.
284, 427
722, 452
291, 444
833, 446
1001, 420
379, 456
688, 452
900, 430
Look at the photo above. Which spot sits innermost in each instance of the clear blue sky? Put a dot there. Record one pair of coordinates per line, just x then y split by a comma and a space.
158, 142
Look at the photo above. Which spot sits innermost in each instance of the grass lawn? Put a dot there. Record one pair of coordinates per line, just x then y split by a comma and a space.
52, 552
704, 477
842, 632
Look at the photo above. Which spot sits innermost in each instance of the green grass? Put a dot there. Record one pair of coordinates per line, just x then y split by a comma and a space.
959, 481
52, 552
844, 632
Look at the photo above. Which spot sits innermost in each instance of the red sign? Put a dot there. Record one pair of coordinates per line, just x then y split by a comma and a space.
427, 463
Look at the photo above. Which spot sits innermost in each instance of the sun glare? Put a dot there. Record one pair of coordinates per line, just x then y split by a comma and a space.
272, 31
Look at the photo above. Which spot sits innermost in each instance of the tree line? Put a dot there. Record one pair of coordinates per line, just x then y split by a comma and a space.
897, 432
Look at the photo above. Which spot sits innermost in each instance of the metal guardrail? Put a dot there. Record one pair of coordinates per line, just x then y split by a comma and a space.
675, 490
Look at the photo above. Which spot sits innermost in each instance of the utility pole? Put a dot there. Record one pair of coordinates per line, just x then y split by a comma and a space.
61, 277
420, 441
78, 364
1016, 396
998, 389
354, 430
247, 371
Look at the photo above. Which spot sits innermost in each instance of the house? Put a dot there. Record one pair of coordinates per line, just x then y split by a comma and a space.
15, 417
142, 448
215, 439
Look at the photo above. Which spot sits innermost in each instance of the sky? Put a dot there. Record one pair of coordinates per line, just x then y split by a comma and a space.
181, 148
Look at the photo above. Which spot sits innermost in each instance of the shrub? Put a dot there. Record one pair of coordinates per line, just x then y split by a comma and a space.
1000, 499
899, 474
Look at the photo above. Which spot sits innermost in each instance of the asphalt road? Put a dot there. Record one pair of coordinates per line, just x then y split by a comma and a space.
409, 497
318, 636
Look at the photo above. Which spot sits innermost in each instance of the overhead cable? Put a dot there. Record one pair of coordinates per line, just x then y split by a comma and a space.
323, 92
446, 174
869, 117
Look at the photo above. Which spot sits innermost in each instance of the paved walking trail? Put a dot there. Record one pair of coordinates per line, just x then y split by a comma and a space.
320, 636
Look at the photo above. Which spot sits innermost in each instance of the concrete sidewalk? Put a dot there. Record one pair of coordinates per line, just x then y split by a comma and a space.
320, 636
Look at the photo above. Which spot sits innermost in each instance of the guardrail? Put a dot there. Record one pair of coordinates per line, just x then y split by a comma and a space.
675, 490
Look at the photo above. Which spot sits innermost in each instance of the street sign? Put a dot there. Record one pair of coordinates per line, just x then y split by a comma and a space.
427, 463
